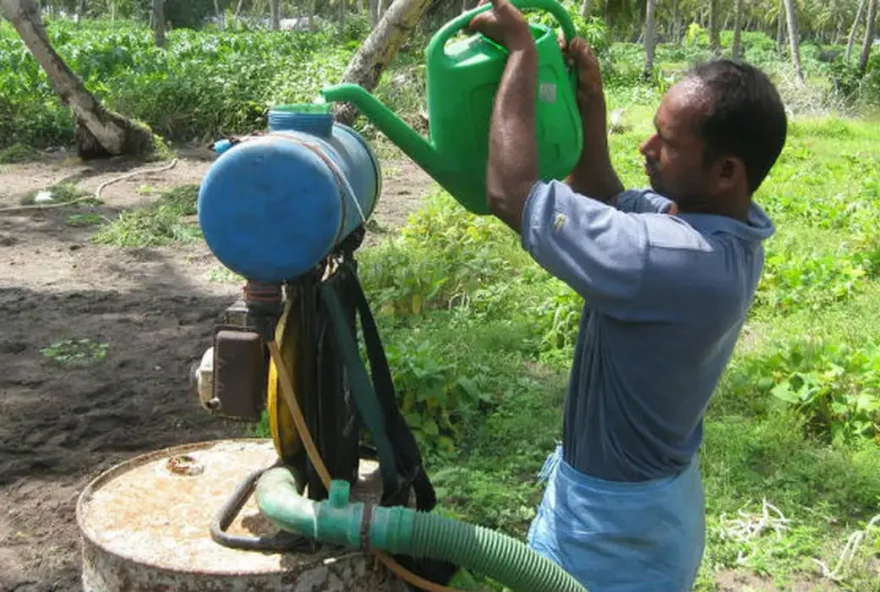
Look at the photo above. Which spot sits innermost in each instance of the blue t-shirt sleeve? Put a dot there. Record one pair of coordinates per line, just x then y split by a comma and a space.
642, 201
598, 250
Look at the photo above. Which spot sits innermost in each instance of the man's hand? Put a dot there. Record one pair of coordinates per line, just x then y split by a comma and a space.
513, 153
589, 76
503, 24
593, 176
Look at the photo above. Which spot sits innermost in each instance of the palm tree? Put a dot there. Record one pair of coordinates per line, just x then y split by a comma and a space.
737, 29
794, 39
650, 35
869, 37
852, 32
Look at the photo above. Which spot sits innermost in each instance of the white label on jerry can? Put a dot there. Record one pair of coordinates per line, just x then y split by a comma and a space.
547, 92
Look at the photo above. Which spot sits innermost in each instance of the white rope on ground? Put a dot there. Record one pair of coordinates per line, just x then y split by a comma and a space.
850, 549
97, 194
749, 526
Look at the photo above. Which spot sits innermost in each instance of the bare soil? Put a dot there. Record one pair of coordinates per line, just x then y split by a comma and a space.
154, 308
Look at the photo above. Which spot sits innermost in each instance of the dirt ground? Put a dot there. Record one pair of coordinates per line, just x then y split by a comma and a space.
153, 307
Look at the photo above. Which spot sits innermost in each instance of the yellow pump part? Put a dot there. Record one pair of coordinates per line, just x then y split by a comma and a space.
285, 436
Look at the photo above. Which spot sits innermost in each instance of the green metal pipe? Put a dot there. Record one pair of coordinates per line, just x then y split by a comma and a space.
398, 530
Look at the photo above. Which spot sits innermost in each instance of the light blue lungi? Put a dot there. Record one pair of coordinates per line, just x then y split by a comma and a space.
644, 536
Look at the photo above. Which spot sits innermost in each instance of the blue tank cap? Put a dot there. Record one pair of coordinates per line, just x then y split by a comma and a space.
311, 118
221, 146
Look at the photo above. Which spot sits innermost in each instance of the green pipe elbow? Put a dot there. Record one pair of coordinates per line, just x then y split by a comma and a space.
398, 530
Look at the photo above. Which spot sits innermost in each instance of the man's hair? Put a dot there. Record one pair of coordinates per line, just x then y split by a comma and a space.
746, 117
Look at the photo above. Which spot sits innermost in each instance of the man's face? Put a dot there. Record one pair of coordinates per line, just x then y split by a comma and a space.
674, 154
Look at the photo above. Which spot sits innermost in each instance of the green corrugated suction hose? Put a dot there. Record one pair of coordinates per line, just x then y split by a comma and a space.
398, 530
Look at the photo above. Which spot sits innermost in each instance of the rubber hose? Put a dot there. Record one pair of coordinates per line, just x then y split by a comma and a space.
501, 557
399, 530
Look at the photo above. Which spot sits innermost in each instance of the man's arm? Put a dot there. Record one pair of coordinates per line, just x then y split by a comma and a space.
513, 152
594, 175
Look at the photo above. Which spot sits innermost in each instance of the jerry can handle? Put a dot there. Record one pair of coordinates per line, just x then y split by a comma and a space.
438, 42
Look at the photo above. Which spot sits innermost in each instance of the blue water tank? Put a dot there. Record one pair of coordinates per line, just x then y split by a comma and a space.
272, 207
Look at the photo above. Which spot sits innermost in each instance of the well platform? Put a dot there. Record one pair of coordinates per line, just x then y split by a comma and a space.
145, 526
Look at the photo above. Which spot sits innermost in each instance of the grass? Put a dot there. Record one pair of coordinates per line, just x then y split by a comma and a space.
75, 353
17, 153
60, 193
166, 221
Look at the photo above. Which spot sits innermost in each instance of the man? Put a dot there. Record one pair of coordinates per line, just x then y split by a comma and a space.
668, 276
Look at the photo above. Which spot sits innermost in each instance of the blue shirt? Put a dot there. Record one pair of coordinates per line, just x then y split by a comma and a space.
665, 300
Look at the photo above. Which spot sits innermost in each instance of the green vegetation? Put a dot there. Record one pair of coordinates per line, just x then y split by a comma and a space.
205, 84
480, 339
75, 353
68, 193
165, 221
16, 153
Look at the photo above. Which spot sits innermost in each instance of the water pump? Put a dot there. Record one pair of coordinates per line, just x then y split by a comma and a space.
286, 210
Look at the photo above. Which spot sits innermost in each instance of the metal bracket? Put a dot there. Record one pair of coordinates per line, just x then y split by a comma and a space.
283, 542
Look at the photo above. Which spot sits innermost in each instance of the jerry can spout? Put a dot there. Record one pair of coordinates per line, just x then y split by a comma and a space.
406, 138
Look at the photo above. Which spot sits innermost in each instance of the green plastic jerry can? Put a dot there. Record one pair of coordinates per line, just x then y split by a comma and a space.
462, 79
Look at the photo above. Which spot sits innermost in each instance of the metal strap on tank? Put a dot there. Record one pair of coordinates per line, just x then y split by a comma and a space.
342, 181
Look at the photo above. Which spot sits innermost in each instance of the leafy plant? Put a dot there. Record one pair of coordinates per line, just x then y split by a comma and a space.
75, 352
17, 153
434, 395
161, 223
835, 387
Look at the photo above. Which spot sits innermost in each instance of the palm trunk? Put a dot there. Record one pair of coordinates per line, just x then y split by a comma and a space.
275, 13
341, 18
586, 8
650, 36
714, 43
780, 30
855, 26
676, 25
98, 131
869, 37
794, 39
221, 17
737, 29
379, 49
159, 22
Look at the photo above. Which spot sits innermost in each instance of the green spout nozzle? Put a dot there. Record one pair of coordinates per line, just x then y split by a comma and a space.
406, 138
398, 530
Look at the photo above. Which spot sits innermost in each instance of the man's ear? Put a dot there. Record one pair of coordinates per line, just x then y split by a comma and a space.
731, 172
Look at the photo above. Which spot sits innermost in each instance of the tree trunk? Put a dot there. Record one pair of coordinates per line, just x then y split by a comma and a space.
794, 39
676, 24
737, 29
342, 18
608, 24
312, 16
275, 13
855, 26
714, 43
98, 131
374, 13
221, 17
159, 22
780, 29
586, 8
238, 9
650, 36
869, 37
379, 49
